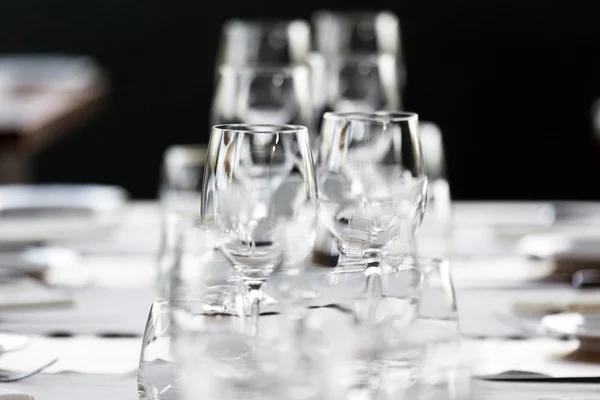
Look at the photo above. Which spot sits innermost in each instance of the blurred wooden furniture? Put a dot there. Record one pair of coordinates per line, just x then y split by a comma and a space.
41, 99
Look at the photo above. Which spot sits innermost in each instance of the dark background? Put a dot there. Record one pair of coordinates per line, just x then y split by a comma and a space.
510, 83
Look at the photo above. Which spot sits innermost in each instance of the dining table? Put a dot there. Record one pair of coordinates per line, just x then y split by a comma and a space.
107, 290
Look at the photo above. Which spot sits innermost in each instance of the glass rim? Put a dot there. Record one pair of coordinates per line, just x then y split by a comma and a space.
267, 69
377, 116
261, 128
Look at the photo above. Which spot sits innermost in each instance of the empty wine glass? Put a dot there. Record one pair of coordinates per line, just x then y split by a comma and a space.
372, 182
246, 42
351, 83
263, 94
247, 165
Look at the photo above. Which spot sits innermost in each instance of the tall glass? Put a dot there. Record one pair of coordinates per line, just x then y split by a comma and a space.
372, 183
247, 166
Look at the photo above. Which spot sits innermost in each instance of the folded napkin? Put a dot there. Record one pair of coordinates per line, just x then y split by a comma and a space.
8, 394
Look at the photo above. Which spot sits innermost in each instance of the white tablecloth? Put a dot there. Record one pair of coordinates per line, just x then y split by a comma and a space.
121, 273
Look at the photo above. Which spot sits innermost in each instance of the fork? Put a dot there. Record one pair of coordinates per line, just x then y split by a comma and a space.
11, 376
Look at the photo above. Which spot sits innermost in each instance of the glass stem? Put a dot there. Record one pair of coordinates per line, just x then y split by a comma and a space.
374, 291
255, 295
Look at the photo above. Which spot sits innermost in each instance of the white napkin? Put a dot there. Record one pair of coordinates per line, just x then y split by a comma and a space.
7, 394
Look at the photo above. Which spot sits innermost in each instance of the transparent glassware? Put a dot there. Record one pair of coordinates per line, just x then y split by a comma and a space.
435, 238
172, 224
157, 379
263, 94
181, 178
263, 42
433, 340
350, 329
198, 261
341, 33
362, 83
372, 183
344, 32
260, 233
351, 83
179, 198
218, 357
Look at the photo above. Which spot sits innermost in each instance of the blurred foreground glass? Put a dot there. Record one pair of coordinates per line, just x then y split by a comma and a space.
219, 358
157, 378
349, 330
372, 182
263, 95
247, 165
434, 338
245, 42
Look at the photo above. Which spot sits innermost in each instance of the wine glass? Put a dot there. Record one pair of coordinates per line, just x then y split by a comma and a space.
356, 31
263, 94
337, 34
246, 167
246, 42
362, 83
351, 83
372, 183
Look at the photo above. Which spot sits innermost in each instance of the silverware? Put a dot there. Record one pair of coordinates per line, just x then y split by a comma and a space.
11, 376
534, 377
